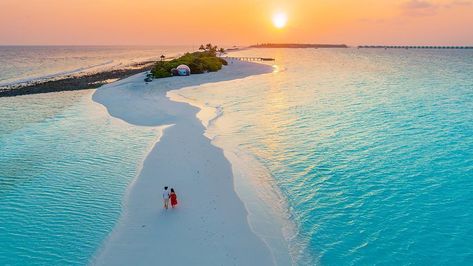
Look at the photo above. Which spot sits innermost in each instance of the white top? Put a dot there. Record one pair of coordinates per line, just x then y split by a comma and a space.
166, 194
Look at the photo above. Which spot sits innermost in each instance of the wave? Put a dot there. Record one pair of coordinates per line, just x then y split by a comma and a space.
268, 213
207, 115
39, 78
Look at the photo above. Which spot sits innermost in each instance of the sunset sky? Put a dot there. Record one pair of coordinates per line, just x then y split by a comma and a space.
155, 22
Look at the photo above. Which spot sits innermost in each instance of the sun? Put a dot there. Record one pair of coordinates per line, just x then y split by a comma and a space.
279, 20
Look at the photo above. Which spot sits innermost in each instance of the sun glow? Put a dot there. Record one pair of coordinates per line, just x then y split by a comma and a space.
279, 20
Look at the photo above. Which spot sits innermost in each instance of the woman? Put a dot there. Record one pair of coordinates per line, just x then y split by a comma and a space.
173, 198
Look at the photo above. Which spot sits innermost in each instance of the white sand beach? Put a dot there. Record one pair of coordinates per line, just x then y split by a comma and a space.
210, 224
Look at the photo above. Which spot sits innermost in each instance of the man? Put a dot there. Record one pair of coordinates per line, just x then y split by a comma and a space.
166, 197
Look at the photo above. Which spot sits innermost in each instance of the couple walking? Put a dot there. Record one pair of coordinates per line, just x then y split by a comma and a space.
169, 196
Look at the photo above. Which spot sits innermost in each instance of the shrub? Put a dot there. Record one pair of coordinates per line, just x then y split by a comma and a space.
198, 62
211, 64
161, 72
196, 67
224, 62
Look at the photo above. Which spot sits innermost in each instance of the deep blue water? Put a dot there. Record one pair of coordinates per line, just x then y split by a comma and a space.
372, 149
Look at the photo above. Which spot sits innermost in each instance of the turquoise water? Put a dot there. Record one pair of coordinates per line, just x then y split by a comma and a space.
65, 167
373, 150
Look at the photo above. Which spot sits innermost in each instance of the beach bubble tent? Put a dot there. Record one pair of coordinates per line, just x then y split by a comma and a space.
183, 70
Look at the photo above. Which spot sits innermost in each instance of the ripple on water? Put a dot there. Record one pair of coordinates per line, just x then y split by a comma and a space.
65, 169
372, 149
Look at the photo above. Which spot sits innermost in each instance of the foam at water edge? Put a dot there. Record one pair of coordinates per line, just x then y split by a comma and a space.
207, 114
268, 212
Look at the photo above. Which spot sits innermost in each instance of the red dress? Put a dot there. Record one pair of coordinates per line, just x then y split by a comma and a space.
173, 198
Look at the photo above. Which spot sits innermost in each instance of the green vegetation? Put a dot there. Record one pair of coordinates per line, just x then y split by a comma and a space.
203, 61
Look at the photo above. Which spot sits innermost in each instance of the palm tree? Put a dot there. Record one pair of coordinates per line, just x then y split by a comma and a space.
162, 57
208, 46
202, 47
221, 51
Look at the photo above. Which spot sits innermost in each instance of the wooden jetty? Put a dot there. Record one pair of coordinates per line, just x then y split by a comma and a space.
250, 58
412, 47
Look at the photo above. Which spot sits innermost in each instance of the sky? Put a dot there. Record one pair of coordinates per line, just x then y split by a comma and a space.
236, 22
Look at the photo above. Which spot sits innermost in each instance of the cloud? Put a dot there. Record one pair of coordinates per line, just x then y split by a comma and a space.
418, 4
419, 8
427, 7
458, 3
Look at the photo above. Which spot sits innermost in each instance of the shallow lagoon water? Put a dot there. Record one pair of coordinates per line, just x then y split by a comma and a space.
372, 149
65, 167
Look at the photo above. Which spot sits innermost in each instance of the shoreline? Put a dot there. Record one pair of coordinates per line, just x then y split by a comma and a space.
211, 213
268, 210
80, 81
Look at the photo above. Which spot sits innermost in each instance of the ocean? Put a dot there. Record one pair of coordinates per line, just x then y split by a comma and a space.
21, 64
371, 150
65, 163
65, 168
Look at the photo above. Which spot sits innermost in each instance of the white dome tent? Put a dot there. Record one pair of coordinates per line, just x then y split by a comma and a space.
183, 70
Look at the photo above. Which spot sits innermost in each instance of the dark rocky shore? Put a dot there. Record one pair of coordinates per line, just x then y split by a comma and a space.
80, 82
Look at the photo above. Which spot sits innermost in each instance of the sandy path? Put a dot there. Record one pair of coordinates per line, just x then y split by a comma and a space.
210, 225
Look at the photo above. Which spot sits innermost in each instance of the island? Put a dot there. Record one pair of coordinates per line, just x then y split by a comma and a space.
297, 45
205, 60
